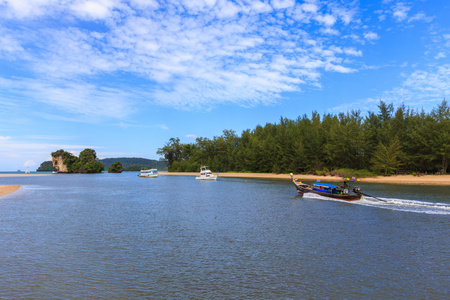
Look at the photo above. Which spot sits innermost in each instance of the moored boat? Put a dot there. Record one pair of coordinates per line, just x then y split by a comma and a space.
328, 190
206, 174
149, 173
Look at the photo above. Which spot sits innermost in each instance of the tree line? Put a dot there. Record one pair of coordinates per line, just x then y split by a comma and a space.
390, 141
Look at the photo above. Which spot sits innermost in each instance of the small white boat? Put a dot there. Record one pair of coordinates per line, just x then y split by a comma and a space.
149, 173
206, 174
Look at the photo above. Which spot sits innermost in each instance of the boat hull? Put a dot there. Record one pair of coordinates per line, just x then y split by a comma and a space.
303, 189
148, 176
207, 178
149, 173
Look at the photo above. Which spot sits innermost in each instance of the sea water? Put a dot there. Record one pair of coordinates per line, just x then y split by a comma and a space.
110, 236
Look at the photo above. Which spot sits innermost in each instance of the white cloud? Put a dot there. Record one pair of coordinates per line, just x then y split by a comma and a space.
187, 54
371, 36
400, 11
281, 4
353, 52
309, 7
191, 136
420, 89
93, 9
26, 8
87, 101
440, 55
327, 19
420, 17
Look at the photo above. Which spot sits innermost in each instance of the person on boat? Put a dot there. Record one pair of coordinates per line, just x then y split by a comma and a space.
345, 188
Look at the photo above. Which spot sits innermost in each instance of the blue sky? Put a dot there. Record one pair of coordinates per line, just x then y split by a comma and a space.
123, 77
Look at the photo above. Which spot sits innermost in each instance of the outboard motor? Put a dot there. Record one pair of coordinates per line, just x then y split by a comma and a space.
357, 190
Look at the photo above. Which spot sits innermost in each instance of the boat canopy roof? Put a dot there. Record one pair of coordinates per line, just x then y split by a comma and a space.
325, 184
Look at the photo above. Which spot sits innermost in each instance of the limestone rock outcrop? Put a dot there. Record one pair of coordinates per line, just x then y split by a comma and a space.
58, 164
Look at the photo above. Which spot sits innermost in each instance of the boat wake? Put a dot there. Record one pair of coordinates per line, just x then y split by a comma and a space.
415, 206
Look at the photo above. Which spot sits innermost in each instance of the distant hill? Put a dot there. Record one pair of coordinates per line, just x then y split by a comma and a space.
46, 166
128, 163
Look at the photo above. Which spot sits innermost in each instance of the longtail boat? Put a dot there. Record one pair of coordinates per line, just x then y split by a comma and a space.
328, 190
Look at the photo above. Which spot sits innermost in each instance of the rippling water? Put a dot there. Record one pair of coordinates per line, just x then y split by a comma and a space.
109, 236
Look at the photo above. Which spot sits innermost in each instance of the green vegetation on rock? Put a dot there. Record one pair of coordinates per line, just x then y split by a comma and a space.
115, 168
87, 161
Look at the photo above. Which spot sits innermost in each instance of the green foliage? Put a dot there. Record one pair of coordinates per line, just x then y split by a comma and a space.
385, 158
115, 168
92, 167
385, 142
87, 156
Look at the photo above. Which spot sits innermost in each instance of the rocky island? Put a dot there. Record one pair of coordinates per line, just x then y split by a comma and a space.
66, 162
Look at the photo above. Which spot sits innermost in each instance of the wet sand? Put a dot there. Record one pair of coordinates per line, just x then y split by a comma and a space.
8, 189
442, 180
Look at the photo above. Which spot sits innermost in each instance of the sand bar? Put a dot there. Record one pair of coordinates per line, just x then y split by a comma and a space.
441, 180
8, 189
24, 175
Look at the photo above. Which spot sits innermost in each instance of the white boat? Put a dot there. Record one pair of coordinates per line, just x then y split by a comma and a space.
206, 174
149, 173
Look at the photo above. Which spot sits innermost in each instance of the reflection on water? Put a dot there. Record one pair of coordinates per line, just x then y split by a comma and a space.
121, 236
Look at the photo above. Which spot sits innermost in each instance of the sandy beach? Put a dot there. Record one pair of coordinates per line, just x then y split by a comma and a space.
24, 175
8, 189
441, 180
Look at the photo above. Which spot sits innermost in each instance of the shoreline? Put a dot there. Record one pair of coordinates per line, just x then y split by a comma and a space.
438, 180
8, 189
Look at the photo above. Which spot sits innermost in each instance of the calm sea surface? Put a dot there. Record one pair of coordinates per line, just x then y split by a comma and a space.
117, 236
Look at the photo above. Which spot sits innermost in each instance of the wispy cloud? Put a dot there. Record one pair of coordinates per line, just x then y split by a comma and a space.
189, 54
85, 100
400, 11
420, 89
183, 54
371, 36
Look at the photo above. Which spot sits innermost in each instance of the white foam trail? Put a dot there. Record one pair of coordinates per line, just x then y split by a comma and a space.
407, 205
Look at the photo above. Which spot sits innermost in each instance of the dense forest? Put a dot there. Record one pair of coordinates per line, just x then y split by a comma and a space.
390, 141
128, 163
